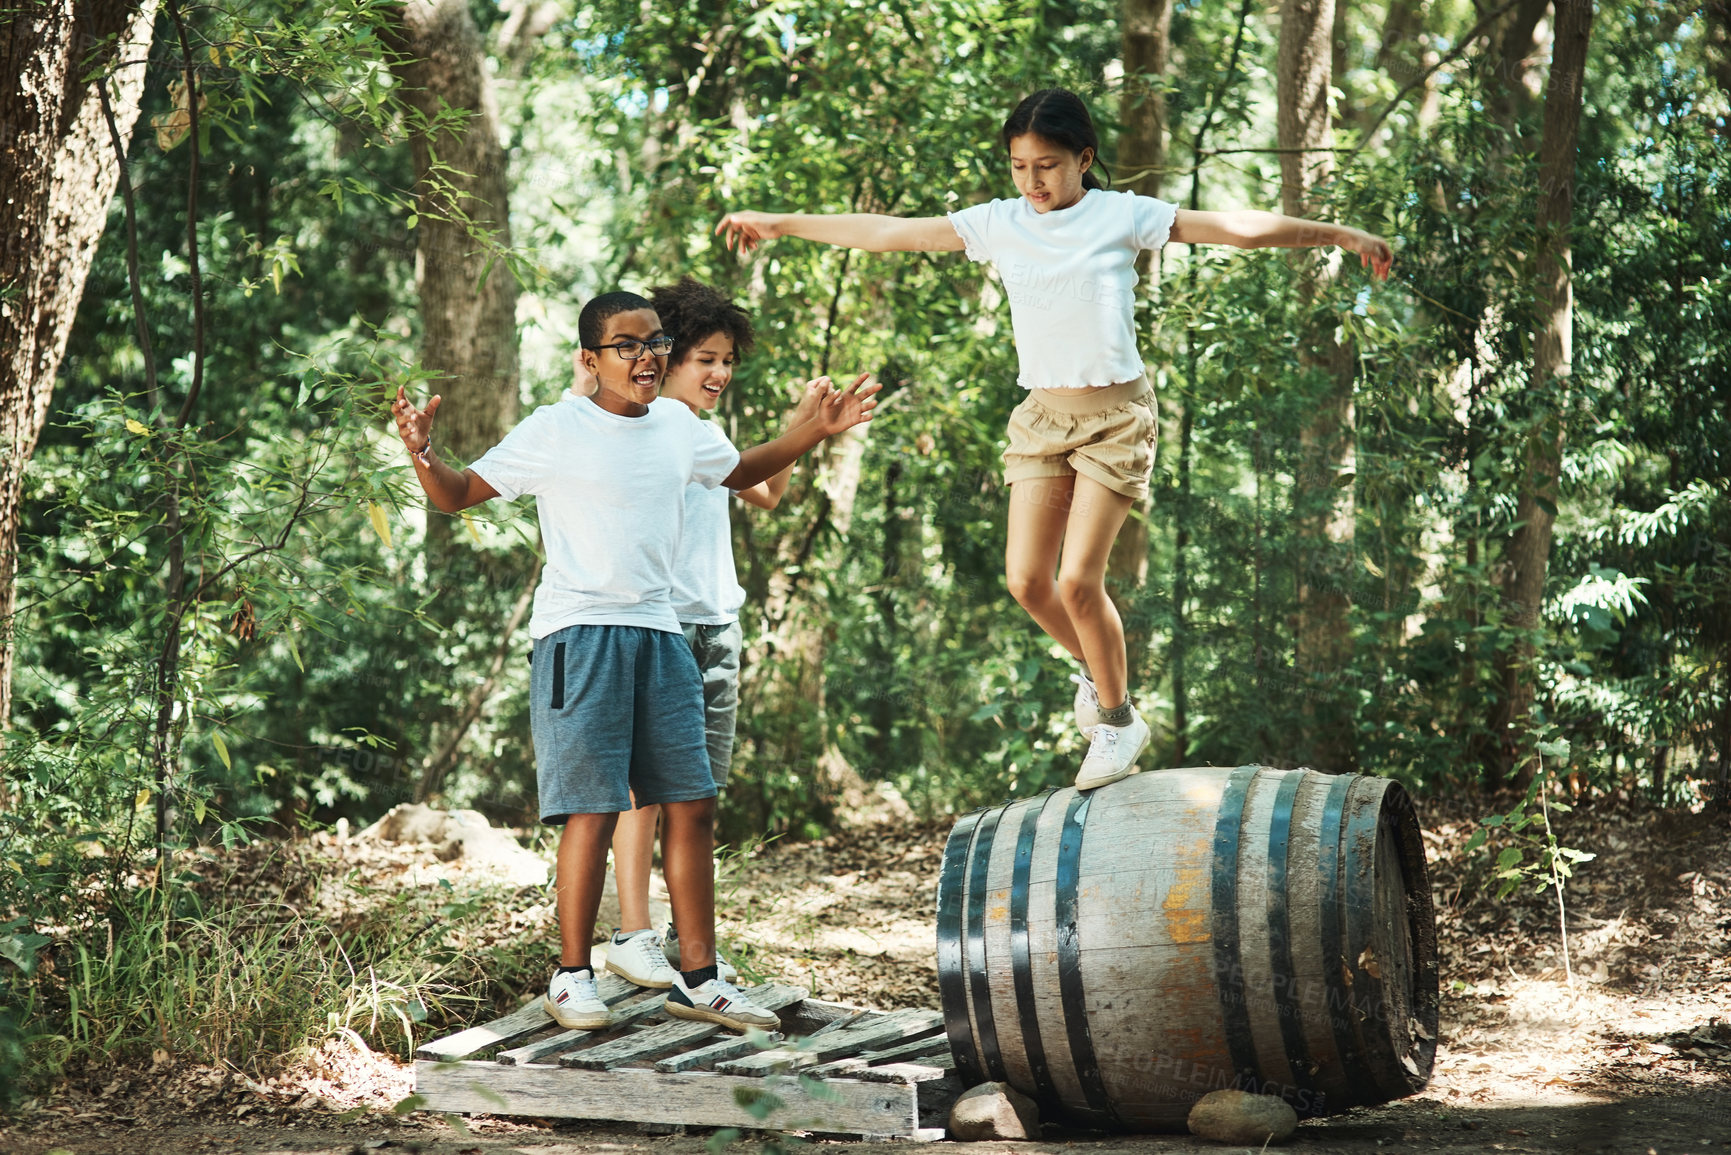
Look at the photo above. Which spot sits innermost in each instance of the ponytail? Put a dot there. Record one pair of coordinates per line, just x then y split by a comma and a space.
1060, 116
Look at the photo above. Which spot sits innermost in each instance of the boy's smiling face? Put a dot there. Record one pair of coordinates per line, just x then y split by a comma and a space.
626, 387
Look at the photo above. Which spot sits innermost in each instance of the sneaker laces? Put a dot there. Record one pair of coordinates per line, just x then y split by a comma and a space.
1089, 693
657, 957
1102, 741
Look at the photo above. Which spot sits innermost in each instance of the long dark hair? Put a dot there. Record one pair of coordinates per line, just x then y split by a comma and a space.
1060, 116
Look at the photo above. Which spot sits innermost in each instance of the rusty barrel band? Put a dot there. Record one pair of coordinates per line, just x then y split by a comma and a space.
1021, 966
979, 983
1228, 966
1334, 963
1370, 1009
1397, 805
1286, 1000
1070, 988
952, 990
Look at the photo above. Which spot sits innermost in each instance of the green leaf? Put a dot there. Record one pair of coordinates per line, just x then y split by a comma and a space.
221, 752
1477, 840
1508, 858
1546, 504
381, 525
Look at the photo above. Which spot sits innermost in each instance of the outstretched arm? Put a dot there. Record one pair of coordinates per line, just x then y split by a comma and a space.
1253, 229
449, 490
768, 494
840, 411
872, 232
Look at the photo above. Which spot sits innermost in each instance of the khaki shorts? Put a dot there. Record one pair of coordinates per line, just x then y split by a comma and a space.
1106, 435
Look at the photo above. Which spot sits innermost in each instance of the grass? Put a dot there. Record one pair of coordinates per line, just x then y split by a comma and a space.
253, 985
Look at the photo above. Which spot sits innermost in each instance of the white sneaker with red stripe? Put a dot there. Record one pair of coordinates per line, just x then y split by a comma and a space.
573, 1002
718, 1001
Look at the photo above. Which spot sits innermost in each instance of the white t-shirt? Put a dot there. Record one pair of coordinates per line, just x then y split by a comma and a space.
610, 495
1070, 275
706, 589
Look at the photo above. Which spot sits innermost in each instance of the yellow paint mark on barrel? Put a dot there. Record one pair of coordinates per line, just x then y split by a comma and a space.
1186, 913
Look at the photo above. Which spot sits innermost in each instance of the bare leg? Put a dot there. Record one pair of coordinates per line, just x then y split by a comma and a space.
1096, 515
1039, 512
633, 860
578, 876
688, 864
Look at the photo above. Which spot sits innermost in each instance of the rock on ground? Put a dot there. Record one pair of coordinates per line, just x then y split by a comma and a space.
994, 1111
463, 834
1240, 1117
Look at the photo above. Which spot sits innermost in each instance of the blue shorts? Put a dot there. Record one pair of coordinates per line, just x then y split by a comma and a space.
616, 711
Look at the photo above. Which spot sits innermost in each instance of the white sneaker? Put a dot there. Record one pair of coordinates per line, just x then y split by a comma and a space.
670, 949
1087, 704
1112, 752
638, 958
718, 1001
573, 1003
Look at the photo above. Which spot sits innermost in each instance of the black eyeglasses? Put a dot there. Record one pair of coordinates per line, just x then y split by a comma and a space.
632, 350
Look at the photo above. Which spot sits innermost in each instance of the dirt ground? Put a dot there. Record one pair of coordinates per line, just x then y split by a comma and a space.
1635, 1058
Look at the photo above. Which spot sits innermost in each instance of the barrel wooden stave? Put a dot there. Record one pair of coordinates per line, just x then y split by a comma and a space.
1144, 900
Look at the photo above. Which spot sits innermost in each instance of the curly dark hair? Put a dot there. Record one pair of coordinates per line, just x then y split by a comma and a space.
691, 311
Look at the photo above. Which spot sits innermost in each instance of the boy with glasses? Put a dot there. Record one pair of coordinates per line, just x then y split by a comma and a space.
617, 700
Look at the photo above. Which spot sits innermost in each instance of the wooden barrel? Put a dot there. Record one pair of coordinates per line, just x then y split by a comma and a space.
1118, 954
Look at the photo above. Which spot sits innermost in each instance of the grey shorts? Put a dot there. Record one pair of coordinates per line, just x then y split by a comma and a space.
716, 649
616, 711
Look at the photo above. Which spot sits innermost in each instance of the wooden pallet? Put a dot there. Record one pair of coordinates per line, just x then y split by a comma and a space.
832, 1069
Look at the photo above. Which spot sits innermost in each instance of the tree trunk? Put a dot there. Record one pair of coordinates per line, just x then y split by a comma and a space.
1323, 494
1141, 159
468, 297
1717, 36
1146, 48
783, 671
1511, 62
1529, 551
57, 173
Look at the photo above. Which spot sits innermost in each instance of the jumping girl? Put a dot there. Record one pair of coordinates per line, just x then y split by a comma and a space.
1081, 446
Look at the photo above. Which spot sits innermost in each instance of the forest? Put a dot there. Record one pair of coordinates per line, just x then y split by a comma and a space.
1468, 528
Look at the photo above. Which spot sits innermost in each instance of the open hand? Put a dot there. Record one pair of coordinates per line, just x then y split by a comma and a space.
810, 399
842, 409
749, 229
414, 426
1374, 254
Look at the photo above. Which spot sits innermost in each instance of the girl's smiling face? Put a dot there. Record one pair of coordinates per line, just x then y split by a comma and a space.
704, 372
1046, 173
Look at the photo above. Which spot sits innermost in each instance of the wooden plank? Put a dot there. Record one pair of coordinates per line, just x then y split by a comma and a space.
817, 1015
634, 1013
520, 1023
638, 1095
816, 1049
918, 1049
614, 991
729, 1048
658, 1040
937, 1068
